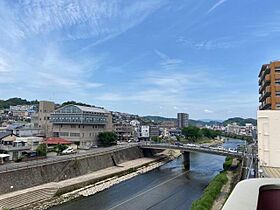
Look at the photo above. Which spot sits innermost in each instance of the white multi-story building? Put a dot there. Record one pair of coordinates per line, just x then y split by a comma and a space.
269, 138
145, 131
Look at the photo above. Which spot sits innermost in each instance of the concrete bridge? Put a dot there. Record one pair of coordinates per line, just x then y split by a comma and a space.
185, 149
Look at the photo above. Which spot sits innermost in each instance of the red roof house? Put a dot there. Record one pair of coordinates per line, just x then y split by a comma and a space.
56, 140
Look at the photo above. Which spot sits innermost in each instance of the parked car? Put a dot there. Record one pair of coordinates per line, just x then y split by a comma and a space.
232, 150
69, 150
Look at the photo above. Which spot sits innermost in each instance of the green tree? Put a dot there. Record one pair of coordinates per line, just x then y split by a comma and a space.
42, 150
107, 139
155, 139
191, 132
60, 147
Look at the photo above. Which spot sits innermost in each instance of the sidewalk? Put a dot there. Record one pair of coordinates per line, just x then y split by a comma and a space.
8, 200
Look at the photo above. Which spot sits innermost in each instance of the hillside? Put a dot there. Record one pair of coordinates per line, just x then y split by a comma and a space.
158, 118
240, 121
4, 104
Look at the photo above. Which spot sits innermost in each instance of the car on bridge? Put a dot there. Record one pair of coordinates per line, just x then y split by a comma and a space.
179, 144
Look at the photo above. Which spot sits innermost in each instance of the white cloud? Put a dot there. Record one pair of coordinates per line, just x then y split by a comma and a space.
4, 66
208, 111
166, 62
220, 43
101, 20
215, 6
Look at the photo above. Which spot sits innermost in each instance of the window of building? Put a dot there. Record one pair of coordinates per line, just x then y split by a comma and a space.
63, 134
277, 106
73, 126
277, 68
75, 134
277, 93
277, 81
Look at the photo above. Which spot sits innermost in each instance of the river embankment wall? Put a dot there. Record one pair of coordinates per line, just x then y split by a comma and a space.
53, 172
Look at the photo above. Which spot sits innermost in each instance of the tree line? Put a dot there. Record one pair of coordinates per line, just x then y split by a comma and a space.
193, 133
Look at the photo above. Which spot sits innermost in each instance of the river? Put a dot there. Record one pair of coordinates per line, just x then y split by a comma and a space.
167, 187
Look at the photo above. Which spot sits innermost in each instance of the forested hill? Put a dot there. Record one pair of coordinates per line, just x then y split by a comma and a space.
4, 104
240, 121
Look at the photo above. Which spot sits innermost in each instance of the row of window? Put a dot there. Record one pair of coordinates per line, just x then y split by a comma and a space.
65, 134
78, 119
82, 126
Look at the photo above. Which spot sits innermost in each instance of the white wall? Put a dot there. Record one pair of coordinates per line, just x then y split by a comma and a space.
269, 137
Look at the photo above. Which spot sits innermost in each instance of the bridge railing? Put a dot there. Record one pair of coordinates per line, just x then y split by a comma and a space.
194, 148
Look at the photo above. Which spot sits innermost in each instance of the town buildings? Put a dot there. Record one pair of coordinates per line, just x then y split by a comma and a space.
182, 120
154, 131
269, 86
80, 124
124, 131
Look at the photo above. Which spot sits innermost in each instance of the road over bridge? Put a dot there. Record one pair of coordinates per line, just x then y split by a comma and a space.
185, 149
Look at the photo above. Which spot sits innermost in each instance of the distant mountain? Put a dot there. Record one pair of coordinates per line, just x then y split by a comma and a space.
4, 104
158, 118
210, 120
240, 121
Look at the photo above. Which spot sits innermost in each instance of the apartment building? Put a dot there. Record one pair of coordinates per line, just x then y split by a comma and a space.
182, 120
124, 131
144, 132
81, 124
44, 113
269, 86
268, 138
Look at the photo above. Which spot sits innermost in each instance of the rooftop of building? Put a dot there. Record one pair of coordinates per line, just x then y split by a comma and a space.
56, 140
92, 109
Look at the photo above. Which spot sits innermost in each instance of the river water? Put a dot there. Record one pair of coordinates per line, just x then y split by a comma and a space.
165, 188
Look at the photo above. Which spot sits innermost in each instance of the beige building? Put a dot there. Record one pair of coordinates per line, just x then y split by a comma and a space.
269, 138
44, 113
81, 124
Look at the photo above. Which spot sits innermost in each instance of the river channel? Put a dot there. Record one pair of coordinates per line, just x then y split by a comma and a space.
167, 187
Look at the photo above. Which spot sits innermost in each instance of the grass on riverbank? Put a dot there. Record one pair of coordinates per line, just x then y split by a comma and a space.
205, 202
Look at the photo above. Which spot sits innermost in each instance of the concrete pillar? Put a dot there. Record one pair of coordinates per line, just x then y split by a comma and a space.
186, 162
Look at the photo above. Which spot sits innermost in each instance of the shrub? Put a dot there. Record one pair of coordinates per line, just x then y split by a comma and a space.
205, 202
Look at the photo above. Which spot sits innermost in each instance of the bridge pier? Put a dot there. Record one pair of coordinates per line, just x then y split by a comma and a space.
186, 162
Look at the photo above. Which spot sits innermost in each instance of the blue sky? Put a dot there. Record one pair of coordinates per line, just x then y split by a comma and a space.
148, 57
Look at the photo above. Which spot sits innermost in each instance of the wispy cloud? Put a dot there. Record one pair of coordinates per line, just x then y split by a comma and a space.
166, 62
208, 111
221, 43
215, 6
101, 20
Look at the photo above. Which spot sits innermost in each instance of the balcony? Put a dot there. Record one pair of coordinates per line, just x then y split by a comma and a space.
277, 75
268, 100
264, 72
14, 148
265, 94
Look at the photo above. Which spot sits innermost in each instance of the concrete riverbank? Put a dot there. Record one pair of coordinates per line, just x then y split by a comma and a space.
56, 192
